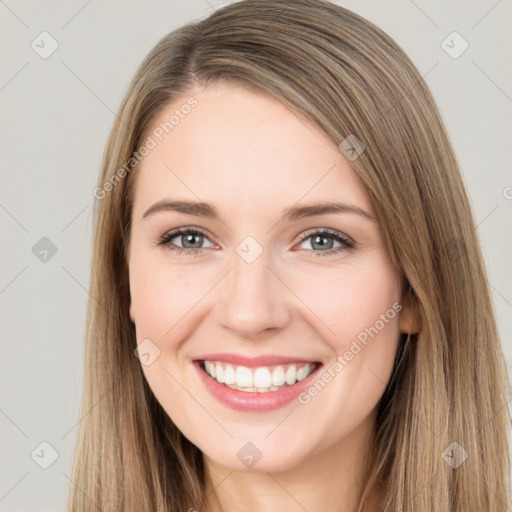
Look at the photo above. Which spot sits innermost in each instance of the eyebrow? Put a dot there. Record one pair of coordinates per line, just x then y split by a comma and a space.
201, 209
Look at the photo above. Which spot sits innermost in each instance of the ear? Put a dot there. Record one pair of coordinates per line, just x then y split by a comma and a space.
132, 316
410, 318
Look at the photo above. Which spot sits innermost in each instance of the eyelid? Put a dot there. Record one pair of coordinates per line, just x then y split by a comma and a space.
168, 235
332, 232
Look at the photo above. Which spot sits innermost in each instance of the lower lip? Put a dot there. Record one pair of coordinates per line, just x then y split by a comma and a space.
254, 401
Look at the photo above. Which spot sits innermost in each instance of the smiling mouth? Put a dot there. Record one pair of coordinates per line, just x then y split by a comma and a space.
262, 379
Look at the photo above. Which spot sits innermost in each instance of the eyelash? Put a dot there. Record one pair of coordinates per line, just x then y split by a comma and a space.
165, 241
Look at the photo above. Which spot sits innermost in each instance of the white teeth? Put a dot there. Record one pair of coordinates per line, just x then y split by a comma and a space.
229, 375
291, 375
210, 368
278, 376
302, 373
219, 371
262, 379
244, 377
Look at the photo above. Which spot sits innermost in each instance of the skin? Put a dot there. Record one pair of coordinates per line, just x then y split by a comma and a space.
251, 157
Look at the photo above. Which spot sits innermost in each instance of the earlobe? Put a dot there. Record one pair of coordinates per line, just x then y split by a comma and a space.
410, 319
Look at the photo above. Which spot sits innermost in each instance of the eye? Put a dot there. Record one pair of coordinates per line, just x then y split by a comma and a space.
191, 241
324, 240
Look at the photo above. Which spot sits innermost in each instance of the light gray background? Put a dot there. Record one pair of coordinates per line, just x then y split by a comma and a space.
56, 115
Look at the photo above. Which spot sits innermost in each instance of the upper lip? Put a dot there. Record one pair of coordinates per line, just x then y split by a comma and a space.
254, 362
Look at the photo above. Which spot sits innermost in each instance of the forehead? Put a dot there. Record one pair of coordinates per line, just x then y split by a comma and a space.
244, 147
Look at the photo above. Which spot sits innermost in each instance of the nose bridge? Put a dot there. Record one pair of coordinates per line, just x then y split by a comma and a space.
255, 300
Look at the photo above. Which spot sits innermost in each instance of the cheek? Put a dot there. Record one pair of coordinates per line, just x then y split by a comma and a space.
348, 300
163, 299
362, 307
162, 295
357, 310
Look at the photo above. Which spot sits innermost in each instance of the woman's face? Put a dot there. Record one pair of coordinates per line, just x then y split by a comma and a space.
220, 273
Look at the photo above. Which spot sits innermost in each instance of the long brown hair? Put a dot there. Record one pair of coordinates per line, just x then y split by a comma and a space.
450, 385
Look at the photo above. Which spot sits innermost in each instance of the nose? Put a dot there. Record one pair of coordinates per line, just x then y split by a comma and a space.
256, 300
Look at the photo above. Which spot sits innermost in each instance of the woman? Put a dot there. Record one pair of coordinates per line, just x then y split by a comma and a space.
230, 368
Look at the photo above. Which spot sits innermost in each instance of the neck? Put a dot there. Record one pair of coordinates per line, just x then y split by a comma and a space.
330, 480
